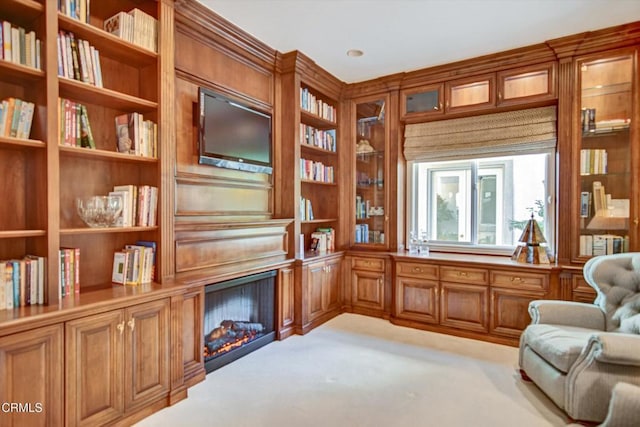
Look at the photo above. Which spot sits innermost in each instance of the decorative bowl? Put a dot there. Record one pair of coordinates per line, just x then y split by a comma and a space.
99, 211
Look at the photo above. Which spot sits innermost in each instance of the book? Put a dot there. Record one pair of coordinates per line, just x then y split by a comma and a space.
6, 40
131, 191
153, 246
26, 119
3, 296
8, 284
120, 266
86, 135
123, 219
37, 297
124, 143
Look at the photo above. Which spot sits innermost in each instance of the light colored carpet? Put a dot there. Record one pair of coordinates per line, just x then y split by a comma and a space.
362, 371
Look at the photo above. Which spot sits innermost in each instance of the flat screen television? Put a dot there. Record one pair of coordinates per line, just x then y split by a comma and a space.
233, 135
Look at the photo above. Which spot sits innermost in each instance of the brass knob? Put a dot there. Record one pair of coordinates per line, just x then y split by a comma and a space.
120, 327
132, 323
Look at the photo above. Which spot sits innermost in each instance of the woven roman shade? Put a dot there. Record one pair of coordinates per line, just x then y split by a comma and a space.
490, 135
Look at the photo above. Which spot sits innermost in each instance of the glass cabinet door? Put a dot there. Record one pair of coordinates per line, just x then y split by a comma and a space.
370, 173
605, 156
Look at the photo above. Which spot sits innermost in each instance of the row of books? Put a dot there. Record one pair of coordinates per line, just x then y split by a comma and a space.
603, 244
306, 210
316, 171
134, 264
362, 208
22, 282
139, 205
325, 139
74, 125
364, 235
20, 46
78, 60
16, 116
593, 161
323, 240
310, 103
69, 271
76, 9
137, 136
134, 26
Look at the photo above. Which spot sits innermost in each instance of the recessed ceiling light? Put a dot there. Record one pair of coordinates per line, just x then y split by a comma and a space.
354, 53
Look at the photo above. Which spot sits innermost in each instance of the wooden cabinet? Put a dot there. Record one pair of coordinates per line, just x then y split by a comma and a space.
47, 176
31, 374
605, 195
522, 85
309, 153
511, 293
116, 362
479, 296
318, 298
371, 205
286, 302
368, 285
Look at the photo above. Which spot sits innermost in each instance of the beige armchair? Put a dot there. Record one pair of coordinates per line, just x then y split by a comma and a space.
576, 353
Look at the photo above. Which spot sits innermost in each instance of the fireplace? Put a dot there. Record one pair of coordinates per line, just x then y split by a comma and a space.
239, 317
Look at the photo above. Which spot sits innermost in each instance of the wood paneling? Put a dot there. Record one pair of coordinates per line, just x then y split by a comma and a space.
417, 299
510, 310
464, 306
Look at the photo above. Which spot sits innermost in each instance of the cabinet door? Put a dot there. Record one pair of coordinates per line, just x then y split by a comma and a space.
527, 84
605, 198
371, 174
422, 101
192, 334
464, 306
332, 285
95, 369
146, 352
509, 310
417, 299
471, 93
315, 285
31, 368
367, 289
286, 302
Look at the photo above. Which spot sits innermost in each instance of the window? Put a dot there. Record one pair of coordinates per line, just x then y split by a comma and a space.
481, 203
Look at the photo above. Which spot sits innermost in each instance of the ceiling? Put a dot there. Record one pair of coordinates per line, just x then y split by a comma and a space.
405, 35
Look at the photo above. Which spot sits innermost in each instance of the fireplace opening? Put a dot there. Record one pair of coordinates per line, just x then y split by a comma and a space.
239, 317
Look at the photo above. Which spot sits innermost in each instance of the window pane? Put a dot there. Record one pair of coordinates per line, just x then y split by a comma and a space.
482, 201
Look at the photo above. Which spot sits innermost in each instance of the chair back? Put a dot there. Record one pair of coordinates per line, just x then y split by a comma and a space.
616, 279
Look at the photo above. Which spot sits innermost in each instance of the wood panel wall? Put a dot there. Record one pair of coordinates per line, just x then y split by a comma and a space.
223, 218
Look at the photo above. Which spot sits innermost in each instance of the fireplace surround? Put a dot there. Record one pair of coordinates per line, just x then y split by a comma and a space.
239, 317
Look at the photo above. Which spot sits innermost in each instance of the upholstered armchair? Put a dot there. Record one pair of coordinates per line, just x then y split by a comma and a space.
575, 352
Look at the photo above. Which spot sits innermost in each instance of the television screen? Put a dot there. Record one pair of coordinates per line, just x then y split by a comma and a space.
233, 135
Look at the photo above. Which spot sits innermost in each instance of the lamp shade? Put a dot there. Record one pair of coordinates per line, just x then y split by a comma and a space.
532, 235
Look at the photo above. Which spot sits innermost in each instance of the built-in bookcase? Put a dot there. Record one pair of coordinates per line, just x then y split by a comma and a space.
43, 178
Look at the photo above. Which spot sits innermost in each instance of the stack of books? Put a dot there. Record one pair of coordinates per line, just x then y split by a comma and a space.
69, 271
76, 9
136, 27
19, 46
22, 282
136, 136
139, 205
16, 116
134, 264
74, 125
78, 60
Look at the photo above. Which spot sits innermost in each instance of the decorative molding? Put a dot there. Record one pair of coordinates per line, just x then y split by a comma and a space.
596, 41
312, 74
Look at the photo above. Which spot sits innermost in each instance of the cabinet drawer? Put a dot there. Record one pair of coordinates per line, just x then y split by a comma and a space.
512, 279
474, 276
369, 264
416, 269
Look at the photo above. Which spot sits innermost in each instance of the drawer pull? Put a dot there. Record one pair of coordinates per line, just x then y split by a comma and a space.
517, 279
417, 269
462, 274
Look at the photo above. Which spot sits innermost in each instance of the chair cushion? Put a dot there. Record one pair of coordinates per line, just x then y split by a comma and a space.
559, 345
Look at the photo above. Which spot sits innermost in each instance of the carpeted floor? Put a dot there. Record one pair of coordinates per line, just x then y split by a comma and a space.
362, 371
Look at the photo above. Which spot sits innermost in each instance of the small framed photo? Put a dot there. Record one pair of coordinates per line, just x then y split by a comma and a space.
119, 273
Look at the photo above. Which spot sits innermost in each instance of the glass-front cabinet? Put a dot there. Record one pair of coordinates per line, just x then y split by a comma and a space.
606, 203
370, 173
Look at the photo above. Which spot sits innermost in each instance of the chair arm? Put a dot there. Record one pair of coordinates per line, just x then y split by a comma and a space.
615, 348
567, 313
624, 407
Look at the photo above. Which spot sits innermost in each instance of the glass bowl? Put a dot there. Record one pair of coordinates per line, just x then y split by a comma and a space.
99, 211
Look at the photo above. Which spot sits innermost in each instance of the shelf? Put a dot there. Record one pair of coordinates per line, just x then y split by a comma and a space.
316, 150
26, 10
605, 131
316, 121
319, 220
12, 234
103, 230
104, 154
310, 181
8, 141
108, 44
602, 90
19, 73
608, 223
86, 93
